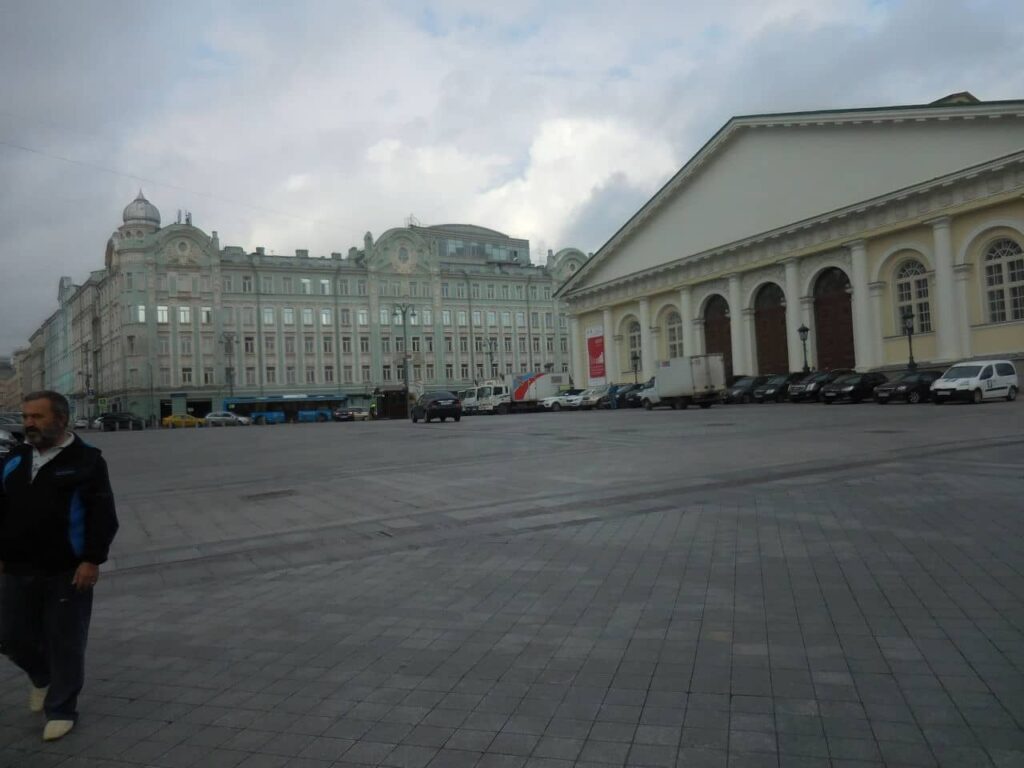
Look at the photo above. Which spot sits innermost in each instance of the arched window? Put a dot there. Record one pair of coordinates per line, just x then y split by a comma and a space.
674, 334
912, 295
634, 345
1004, 281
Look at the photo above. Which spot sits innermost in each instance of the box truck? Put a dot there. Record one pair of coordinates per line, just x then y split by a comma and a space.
682, 381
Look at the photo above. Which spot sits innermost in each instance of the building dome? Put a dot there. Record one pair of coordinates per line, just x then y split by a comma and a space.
141, 211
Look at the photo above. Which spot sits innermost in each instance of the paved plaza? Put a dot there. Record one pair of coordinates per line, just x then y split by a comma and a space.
783, 585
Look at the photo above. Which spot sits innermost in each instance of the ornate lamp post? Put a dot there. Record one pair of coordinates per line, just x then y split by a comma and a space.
803, 330
908, 329
405, 311
635, 360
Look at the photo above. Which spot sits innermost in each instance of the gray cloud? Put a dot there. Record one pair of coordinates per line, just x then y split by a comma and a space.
303, 125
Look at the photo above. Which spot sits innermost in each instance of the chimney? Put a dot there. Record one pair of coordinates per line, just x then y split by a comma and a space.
302, 253
335, 255
261, 251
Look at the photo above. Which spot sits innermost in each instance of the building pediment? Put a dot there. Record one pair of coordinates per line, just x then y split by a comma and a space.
763, 172
401, 251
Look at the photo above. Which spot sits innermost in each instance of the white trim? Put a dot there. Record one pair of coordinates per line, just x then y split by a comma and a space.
977, 233
909, 245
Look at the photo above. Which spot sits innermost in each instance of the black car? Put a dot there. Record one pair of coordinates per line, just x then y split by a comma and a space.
121, 420
775, 388
912, 386
8, 442
436, 405
620, 394
633, 399
809, 388
855, 387
742, 390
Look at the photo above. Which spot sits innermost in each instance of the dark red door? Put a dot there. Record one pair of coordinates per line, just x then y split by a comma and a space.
770, 330
833, 320
717, 330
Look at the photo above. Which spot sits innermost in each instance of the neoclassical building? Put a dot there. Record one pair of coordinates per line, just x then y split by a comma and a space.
841, 221
172, 314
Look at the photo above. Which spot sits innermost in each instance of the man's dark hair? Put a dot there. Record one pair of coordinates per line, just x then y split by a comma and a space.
59, 403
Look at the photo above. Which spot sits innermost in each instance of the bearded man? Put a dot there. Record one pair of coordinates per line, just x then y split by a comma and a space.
57, 521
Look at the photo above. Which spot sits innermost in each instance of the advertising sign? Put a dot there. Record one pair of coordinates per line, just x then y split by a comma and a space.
595, 356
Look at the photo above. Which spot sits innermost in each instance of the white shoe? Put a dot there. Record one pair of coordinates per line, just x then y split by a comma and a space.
36, 698
57, 729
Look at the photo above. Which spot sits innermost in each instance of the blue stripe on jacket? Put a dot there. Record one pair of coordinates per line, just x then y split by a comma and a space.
76, 524
10, 466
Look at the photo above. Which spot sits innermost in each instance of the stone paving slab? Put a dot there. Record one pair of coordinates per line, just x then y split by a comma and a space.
871, 614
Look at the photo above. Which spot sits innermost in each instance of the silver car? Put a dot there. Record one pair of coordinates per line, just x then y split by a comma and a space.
226, 419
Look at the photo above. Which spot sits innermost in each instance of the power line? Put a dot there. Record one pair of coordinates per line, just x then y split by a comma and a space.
158, 183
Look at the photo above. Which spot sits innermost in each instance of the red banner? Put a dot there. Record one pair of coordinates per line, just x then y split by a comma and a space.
595, 354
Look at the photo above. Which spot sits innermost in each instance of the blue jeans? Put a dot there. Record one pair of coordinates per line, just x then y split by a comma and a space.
44, 624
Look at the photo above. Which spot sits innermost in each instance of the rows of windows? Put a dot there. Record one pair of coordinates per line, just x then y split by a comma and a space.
388, 316
304, 286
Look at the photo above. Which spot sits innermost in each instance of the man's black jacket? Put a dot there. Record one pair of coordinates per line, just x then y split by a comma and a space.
63, 518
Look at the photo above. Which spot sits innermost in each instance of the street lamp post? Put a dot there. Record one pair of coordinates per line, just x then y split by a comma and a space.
908, 329
635, 359
803, 330
492, 349
228, 337
405, 311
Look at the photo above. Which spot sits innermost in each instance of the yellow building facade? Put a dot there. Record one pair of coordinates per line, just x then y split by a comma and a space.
855, 225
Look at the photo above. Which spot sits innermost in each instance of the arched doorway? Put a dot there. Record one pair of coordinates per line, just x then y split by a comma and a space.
770, 330
833, 320
718, 331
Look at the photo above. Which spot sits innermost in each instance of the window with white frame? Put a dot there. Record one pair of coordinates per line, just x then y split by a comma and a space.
1004, 281
268, 315
325, 317
363, 315
288, 315
912, 295
673, 333
325, 287
305, 286
206, 315
307, 316
309, 345
161, 315
634, 345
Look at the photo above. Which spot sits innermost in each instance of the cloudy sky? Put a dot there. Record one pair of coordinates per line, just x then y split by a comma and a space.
304, 124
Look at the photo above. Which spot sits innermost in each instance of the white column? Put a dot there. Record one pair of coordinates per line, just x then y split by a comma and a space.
577, 351
686, 313
807, 318
737, 327
944, 305
876, 291
962, 272
611, 357
793, 346
863, 344
698, 337
647, 351
749, 361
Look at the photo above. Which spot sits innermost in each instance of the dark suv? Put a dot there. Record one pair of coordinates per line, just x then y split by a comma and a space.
855, 387
775, 388
742, 390
436, 405
121, 420
809, 388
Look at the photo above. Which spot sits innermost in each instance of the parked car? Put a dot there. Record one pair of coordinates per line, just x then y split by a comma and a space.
634, 399
13, 424
912, 386
742, 390
976, 381
82, 422
436, 405
351, 413
181, 420
855, 387
8, 442
649, 396
622, 394
591, 397
109, 422
809, 387
776, 388
563, 400
226, 419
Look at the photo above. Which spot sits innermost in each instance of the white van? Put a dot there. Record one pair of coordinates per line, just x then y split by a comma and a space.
977, 380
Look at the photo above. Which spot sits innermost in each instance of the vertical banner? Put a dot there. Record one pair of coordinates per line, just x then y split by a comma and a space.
595, 356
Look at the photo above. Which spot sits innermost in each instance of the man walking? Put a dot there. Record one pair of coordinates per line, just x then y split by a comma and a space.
57, 521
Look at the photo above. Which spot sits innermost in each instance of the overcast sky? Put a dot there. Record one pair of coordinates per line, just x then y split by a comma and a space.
305, 124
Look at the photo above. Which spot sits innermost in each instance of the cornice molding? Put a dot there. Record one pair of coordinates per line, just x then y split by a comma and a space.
969, 188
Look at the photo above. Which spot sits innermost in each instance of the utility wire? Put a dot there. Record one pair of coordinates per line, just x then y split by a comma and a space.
155, 182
